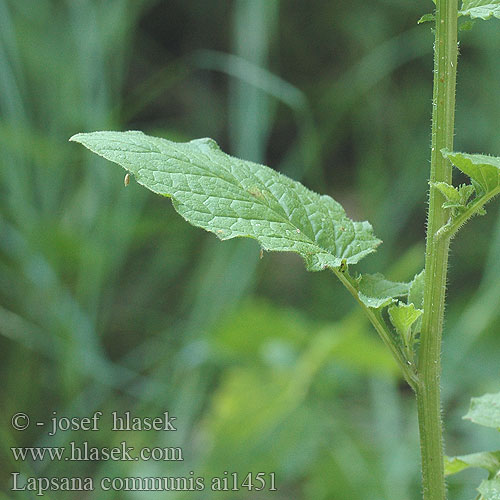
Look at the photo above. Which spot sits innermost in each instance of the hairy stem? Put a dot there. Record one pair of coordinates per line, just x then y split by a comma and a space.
436, 256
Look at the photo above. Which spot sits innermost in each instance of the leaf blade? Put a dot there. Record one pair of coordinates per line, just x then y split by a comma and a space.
449, 192
402, 317
377, 292
483, 169
416, 292
485, 410
484, 172
489, 460
236, 198
480, 9
490, 489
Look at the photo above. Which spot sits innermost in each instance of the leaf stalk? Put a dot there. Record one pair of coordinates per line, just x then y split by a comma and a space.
407, 367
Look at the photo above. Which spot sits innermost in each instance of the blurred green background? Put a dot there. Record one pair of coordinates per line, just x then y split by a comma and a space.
109, 301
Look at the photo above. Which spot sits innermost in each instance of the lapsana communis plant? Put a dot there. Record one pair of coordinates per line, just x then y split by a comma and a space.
233, 198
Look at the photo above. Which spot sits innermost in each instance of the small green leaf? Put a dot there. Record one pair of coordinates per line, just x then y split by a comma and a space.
416, 297
426, 18
490, 489
483, 169
449, 192
377, 292
465, 191
416, 294
236, 198
480, 9
489, 460
457, 198
402, 317
485, 410
484, 172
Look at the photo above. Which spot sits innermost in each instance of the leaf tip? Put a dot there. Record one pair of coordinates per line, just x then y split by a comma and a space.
75, 138
426, 18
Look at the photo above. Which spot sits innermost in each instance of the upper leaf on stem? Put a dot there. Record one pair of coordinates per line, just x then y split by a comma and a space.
484, 172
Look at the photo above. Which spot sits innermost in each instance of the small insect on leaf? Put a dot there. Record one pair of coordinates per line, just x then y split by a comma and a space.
261, 253
126, 181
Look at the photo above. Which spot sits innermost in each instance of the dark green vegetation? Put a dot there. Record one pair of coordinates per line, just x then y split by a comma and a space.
267, 370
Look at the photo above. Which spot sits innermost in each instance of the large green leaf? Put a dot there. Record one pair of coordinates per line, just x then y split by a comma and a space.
236, 198
490, 489
489, 460
485, 410
482, 9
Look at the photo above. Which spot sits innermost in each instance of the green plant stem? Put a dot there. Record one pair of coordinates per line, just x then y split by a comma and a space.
380, 326
436, 256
